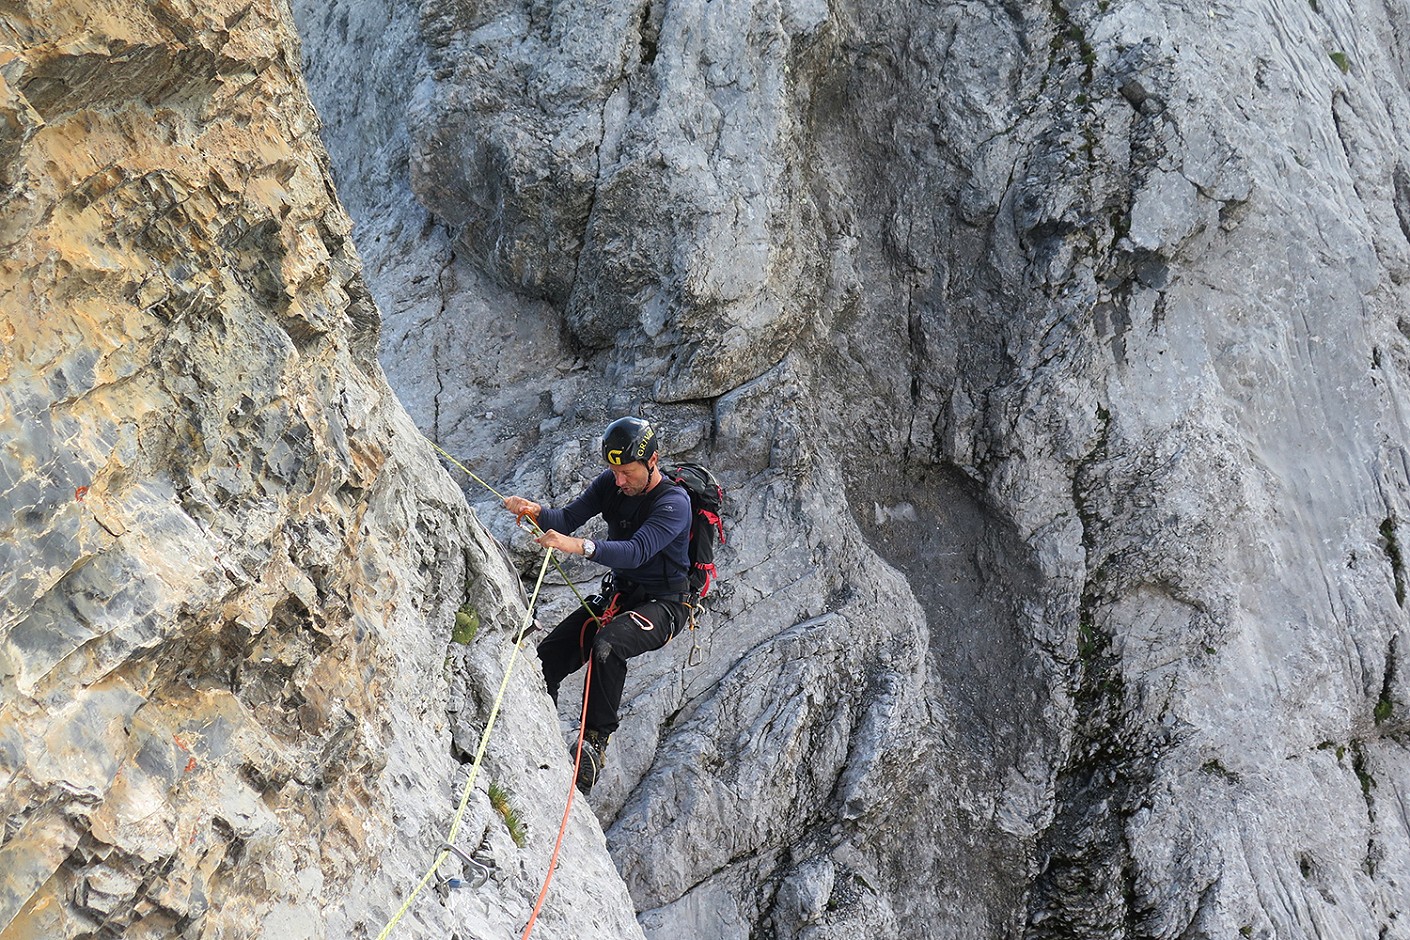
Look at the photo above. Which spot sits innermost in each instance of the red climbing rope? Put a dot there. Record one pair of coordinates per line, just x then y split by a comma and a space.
600, 620
572, 789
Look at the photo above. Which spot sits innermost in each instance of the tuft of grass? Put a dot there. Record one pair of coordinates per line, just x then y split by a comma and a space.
1383, 709
1363, 773
467, 624
1391, 546
1341, 61
499, 802
1089, 643
1332, 745
1215, 768
1385, 705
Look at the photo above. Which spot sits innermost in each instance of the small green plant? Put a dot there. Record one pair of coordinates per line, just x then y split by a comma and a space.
499, 802
1088, 642
1341, 60
467, 624
1215, 768
1383, 709
1333, 746
1391, 546
1363, 774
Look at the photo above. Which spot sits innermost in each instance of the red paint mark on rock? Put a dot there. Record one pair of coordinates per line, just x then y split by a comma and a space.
79, 493
191, 765
180, 743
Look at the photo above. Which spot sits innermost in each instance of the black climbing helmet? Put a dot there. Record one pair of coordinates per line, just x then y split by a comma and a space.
628, 439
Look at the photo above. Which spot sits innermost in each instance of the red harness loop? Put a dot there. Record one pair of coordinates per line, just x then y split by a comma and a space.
607, 614
613, 608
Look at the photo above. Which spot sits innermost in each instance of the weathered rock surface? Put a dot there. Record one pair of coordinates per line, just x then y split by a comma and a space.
233, 698
1055, 355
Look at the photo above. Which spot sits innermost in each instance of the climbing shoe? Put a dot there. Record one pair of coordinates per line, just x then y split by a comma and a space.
594, 756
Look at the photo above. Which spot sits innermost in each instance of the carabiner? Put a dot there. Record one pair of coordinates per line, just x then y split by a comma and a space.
477, 872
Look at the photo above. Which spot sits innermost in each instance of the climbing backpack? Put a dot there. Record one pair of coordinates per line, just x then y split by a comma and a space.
707, 501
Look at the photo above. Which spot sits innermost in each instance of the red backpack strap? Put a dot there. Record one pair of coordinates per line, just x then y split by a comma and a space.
715, 521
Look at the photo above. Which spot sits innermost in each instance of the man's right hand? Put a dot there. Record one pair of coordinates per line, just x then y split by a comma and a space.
523, 507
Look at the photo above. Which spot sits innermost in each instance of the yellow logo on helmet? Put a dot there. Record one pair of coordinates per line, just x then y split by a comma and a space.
614, 457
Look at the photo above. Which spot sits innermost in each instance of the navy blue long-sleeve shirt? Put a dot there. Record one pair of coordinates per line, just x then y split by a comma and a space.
653, 550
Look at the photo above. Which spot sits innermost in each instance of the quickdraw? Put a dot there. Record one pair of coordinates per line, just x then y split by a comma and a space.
697, 655
476, 868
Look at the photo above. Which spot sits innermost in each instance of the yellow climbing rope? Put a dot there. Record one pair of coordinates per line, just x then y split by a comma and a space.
468, 472
441, 856
479, 756
537, 531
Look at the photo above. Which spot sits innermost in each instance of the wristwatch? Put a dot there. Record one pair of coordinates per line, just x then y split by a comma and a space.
589, 548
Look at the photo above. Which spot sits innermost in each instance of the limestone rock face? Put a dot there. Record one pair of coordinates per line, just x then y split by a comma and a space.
1055, 356
233, 701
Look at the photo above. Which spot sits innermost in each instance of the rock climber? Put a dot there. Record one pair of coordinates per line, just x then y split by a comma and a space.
643, 601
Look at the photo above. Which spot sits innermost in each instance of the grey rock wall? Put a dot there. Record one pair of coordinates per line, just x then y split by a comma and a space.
1053, 355
239, 685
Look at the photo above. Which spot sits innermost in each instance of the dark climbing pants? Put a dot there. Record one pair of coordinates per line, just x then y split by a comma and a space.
648, 625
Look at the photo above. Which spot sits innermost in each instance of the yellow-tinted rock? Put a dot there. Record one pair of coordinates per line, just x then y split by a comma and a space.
208, 569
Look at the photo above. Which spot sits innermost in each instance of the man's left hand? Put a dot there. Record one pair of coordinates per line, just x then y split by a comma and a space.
563, 543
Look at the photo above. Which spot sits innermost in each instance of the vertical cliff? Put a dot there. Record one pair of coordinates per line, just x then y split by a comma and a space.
250, 633
1055, 355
